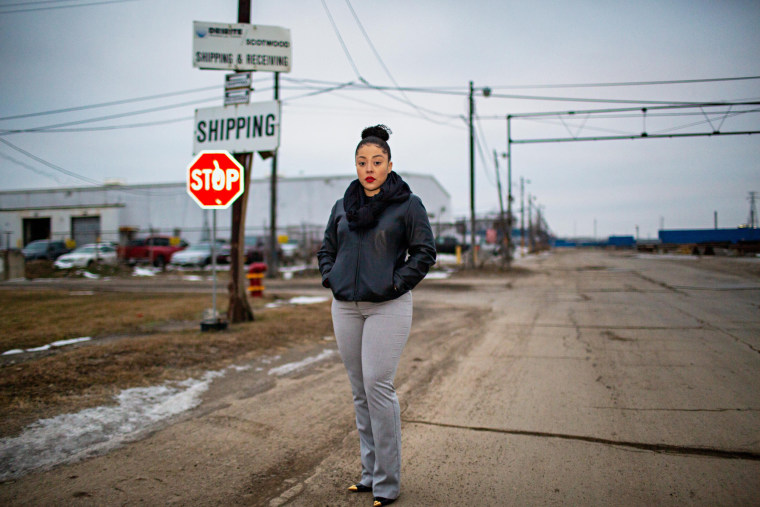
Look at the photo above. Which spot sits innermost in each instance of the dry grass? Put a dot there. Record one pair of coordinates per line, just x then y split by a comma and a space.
33, 318
88, 375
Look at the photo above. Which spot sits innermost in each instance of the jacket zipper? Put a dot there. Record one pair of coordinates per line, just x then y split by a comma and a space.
356, 273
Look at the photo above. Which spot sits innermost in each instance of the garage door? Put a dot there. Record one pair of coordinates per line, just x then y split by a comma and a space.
85, 229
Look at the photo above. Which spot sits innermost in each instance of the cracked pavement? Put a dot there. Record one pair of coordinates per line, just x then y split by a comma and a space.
597, 378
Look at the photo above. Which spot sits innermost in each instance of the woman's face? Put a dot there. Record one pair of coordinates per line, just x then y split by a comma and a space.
372, 168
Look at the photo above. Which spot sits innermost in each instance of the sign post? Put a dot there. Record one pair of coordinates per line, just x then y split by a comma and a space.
240, 127
214, 181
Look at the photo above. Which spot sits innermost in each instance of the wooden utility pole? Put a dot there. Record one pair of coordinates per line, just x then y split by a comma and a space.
274, 264
238, 309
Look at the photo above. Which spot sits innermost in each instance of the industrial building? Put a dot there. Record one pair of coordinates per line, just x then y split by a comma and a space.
119, 212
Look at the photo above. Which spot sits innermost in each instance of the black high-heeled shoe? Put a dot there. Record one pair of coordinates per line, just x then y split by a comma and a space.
380, 501
359, 488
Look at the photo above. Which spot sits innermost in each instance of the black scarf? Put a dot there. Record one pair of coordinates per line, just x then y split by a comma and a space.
362, 211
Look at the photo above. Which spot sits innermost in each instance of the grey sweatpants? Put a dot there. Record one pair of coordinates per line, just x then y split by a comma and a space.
370, 339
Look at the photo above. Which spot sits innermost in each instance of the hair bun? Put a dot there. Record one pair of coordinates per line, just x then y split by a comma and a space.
379, 131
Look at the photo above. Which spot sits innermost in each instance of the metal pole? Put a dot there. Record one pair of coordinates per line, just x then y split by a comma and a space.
274, 261
509, 191
213, 264
530, 223
472, 181
504, 237
522, 212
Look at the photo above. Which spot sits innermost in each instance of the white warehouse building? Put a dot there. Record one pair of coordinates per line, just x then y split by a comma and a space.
119, 212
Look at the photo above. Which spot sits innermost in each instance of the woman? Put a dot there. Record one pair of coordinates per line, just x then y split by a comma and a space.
364, 261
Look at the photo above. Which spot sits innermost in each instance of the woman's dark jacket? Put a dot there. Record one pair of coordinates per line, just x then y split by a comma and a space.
372, 264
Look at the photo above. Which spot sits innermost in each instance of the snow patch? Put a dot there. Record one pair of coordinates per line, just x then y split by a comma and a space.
291, 367
59, 343
68, 437
307, 300
438, 275
138, 271
299, 300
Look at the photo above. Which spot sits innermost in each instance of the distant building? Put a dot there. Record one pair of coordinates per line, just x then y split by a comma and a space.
118, 212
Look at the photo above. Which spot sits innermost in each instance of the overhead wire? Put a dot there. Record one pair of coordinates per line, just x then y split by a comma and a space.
340, 39
108, 104
55, 7
49, 164
478, 137
626, 83
318, 92
30, 167
406, 99
358, 74
52, 127
116, 127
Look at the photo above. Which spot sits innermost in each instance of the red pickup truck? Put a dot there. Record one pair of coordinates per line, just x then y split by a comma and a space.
157, 250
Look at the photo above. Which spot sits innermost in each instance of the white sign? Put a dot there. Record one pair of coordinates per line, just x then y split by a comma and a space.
237, 96
240, 46
238, 129
238, 80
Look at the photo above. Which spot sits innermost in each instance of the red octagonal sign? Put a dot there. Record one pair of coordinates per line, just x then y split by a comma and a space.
215, 179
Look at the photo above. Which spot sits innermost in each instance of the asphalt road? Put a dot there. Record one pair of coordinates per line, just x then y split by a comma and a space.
590, 378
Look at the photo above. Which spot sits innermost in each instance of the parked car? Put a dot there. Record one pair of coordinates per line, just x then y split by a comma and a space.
44, 249
448, 244
157, 250
198, 255
255, 250
87, 256
290, 250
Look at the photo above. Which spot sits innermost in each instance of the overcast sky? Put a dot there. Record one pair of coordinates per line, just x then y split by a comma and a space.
56, 56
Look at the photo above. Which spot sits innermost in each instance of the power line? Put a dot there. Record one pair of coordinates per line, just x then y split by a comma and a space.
464, 90
35, 9
319, 92
30, 167
407, 100
49, 164
103, 118
543, 97
481, 153
340, 39
628, 83
116, 127
111, 103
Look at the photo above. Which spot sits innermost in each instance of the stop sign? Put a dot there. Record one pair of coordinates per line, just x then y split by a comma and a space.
215, 179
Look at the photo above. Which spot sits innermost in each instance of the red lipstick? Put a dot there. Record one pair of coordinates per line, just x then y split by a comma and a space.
369, 179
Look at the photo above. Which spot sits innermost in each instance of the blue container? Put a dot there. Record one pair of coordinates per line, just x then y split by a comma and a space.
621, 241
714, 236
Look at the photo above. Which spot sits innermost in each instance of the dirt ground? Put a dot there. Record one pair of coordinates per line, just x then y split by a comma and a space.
580, 378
